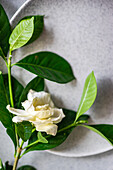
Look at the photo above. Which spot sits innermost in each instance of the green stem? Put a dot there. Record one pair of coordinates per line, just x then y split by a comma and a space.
19, 150
12, 104
9, 79
67, 127
10, 91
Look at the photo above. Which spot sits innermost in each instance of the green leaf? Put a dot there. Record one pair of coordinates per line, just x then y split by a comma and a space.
17, 88
41, 138
24, 130
26, 167
104, 130
48, 65
7, 166
60, 137
38, 27
36, 84
21, 34
1, 165
5, 116
5, 31
88, 95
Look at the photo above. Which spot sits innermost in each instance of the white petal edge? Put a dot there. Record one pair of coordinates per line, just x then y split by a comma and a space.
18, 112
44, 98
50, 129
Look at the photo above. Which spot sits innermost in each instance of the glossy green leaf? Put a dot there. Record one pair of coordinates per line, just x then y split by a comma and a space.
41, 138
88, 95
48, 65
17, 88
24, 130
104, 130
61, 135
5, 116
38, 27
5, 31
21, 34
36, 84
26, 167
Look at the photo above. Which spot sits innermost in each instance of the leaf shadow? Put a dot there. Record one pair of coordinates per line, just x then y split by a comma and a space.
10, 7
103, 105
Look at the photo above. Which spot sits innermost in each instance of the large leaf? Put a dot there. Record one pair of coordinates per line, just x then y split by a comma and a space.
62, 134
36, 84
38, 27
24, 130
5, 31
21, 34
5, 116
17, 88
26, 167
104, 130
48, 65
88, 95
53, 141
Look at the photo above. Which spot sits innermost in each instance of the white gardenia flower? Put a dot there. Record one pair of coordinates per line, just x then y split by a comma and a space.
40, 110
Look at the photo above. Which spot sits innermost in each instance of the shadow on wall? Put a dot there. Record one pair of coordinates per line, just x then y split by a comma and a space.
103, 105
10, 6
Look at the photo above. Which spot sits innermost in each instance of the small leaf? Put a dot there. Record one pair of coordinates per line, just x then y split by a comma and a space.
36, 84
5, 116
88, 95
48, 65
38, 27
21, 34
41, 138
5, 31
26, 167
104, 130
24, 130
60, 137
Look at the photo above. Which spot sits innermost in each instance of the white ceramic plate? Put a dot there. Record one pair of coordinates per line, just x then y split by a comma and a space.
81, 32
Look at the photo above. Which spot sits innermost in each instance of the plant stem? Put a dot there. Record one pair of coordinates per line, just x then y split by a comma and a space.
67, 127
10, 91
9, 79
19, 150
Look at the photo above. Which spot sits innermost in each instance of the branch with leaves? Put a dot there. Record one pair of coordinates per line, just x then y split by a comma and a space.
38, 122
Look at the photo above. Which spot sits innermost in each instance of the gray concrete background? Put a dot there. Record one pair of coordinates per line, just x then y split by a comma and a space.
44, 160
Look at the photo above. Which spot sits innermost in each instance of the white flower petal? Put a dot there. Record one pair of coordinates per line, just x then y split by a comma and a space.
50, 129
44, 114
38, 121
57, 116
28, 106
40, 110
40, 98
17, 119
18, 112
